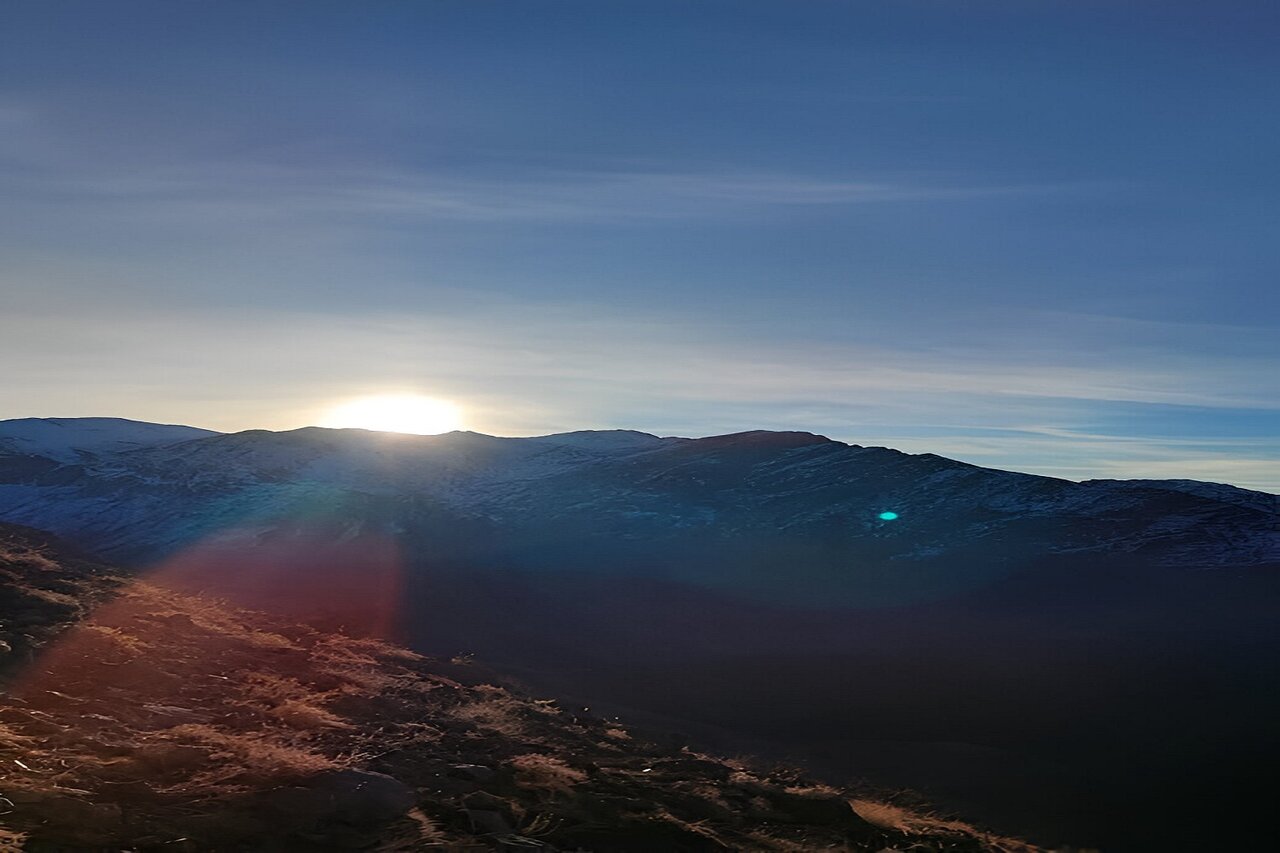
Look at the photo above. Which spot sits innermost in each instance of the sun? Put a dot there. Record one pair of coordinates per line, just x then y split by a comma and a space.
409, 413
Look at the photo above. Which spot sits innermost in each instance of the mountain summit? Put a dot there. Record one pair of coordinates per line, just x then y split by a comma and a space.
71, 439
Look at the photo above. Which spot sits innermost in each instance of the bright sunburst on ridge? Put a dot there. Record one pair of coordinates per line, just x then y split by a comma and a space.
415, 414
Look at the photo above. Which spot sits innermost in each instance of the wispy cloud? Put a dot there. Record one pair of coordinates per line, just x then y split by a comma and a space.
520, 370
270, 191
41, 165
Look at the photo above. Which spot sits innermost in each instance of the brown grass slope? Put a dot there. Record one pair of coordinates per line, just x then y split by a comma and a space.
135, 717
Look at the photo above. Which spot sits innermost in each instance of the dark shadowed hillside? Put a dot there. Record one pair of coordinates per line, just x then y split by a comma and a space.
138, 717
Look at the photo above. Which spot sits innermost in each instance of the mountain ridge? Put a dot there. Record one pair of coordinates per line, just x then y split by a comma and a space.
9, 441
65, 439
595, 487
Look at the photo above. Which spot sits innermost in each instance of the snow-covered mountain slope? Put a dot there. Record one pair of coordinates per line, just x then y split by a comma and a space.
69, 439
603, 440
755, 512
1213, 491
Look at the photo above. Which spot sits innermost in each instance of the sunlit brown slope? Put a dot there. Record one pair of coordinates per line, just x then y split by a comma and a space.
137, 717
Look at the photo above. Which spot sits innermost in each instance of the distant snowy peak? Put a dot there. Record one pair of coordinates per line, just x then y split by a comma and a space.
623, 440
765, 439
1221, 492
604, 439
66, 439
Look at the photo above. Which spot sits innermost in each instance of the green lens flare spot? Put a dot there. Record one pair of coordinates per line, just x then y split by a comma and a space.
887, 516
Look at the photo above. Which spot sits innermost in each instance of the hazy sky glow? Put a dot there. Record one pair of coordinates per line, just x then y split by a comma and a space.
1035, 235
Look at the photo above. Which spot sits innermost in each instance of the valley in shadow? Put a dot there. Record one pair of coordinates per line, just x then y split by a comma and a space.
1127, 709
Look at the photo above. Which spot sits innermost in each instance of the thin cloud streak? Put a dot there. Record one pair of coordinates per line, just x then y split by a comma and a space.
277, 193
684, 359
47, 168
565, 370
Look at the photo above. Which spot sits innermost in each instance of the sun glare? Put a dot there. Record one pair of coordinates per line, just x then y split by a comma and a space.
409, 413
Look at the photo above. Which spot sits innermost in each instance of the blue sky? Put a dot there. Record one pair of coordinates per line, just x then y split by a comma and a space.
1035, 235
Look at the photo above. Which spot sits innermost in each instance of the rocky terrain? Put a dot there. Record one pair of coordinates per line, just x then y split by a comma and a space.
139, 717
